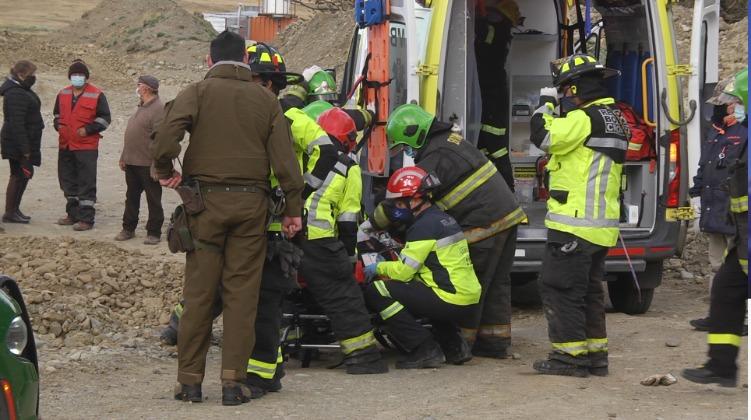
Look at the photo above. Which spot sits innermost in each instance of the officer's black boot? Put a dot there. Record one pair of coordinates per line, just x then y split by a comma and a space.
234, 394
598, 364
426, 355
554, 366
188, 393
365, 362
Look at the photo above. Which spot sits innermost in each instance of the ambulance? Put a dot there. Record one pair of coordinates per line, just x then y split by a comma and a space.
407, 51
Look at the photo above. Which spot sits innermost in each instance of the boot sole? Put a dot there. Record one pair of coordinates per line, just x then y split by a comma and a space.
460, 361
599, 371
433, 363
355, 370
185, 398
235, 402
578, 373
723, 382
18, 221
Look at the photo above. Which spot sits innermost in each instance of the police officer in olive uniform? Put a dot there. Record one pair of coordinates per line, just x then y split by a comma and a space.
730, 287
473, 192
587, 145
238, 132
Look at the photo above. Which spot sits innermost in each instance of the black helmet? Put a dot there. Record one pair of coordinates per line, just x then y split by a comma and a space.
265, 60
568, 69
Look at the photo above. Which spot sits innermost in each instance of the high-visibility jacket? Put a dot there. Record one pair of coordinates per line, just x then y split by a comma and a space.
336, 202
587, 149
73, 118
313, 147
738, 183
436, 253
471, 191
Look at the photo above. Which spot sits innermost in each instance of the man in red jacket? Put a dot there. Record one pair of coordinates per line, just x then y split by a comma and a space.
81, 114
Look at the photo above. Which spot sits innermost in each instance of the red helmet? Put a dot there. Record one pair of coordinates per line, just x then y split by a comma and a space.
340, 125
410, 181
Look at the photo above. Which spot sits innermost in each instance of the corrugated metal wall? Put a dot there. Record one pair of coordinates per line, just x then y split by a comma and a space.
265, 28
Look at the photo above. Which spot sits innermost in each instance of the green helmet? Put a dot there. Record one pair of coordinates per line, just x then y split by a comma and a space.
322, 86
739, 86
409, 124
568, 69
316, 108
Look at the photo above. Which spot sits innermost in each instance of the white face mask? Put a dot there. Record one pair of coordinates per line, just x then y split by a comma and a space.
138, 94
78, 80
739, 112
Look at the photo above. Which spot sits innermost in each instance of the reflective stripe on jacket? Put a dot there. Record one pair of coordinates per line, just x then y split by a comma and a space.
587, 148
312, 142
72, 118
472, 191
437, 254
337, 200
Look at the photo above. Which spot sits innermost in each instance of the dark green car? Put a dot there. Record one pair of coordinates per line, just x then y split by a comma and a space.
19, 376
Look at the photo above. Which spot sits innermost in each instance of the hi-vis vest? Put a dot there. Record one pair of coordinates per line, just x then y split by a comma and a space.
308, 137
72, 118
738, 184
337, 200
587, 148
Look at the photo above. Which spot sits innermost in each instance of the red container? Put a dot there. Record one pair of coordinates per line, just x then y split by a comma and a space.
265, 28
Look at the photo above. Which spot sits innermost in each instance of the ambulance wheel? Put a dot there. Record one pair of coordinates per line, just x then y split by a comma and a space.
627, 299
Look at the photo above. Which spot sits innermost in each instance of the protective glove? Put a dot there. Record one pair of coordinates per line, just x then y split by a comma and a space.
549, 94
289, 258
370, 271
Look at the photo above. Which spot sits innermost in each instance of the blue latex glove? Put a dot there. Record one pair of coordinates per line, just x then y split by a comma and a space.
370, 271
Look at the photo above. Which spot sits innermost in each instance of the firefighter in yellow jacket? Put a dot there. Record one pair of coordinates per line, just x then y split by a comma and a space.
329, 251
587, 144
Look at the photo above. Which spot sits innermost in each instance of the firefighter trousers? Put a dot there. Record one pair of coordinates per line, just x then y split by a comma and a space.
570, 283
399, 304
328, 274
76, 172
490, 326
230, 240
492, 44
727, 311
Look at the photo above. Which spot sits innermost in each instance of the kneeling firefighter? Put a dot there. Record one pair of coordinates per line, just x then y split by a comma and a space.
433, 277
329, 251
474, 193
587, 146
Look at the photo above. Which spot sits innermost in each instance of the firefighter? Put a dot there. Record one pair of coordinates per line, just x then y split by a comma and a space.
433, 277
319, 85
495, 19
587, 146
329, 251
476, 196
730, 285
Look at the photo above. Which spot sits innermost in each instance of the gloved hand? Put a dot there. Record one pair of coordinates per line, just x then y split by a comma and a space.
289, 258
549, 94
370, 271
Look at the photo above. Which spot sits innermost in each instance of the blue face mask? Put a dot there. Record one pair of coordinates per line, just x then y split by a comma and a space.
399, 215
78, 80
739, 113
567, 104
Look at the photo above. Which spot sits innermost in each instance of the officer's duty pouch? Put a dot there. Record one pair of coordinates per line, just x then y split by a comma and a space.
190, 194
179, 238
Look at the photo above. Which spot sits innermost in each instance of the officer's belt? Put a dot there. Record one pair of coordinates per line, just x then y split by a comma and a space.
209, 188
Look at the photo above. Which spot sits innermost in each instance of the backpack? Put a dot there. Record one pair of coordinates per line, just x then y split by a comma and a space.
641, 144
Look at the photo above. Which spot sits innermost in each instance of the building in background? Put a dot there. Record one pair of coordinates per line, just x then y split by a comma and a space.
260, 22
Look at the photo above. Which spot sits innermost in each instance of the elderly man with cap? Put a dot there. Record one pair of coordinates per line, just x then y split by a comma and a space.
81, 114
135, 161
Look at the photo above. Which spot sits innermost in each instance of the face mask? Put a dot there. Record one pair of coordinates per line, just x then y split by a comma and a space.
568, 104
29, 81
138, 94
77, 80
400, 215
739, 113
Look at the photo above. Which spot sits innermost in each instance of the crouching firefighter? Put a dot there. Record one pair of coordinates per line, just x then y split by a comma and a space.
587, 147
730, 287
433, 277
329, 251
473, 192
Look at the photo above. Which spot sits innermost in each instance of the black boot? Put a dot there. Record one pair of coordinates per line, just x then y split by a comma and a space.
276, 382
365, 362
188, 393
558, 367
23, 183
700, 324
169, 333
258, 386
454, 347
494, 349
233, 393
11, 202
598, 364
703, 375
426, 355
